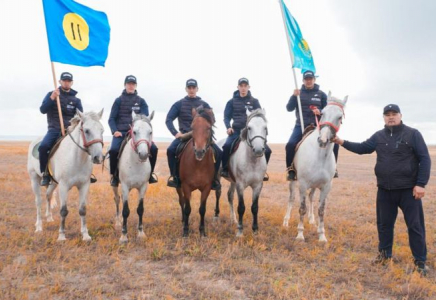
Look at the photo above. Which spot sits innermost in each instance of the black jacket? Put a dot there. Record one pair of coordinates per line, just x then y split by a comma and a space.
403, 160
236, 109
314, 97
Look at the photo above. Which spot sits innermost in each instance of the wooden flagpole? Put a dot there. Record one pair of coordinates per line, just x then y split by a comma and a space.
58, 101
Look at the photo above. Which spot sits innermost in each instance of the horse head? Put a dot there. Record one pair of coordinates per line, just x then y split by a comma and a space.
331, 119
91, 132
256, 131
141, 133
202, 131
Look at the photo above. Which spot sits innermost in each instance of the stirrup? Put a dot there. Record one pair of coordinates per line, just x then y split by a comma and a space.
173, 181
153, 178
93, 179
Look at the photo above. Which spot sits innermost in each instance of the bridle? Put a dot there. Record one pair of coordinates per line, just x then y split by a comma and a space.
135, 143
250, 140
320, 125
209, 140
86, 144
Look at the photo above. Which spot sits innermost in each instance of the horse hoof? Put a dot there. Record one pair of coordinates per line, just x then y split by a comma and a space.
216, 218
38, 229
322, 239
123, 239
286, 223
86, 238
255, 231
239, 234
50, 219
300, 237
61, 238
312, 221
141, 235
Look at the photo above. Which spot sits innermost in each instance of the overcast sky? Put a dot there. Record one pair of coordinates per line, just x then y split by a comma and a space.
377, 52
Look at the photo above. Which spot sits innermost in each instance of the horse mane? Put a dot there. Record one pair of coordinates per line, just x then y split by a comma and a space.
255, 113
206, 113
86, 116
142, 117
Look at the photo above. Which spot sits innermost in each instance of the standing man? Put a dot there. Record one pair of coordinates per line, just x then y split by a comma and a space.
310, 96
402, 171
236, 109
120, 120
182, 110
69, 104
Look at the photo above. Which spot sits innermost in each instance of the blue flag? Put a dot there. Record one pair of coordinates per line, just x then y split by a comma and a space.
77, 35
300, 48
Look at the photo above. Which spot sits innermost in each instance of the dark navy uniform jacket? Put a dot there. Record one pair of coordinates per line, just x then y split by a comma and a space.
236, 109
120, 118
69, 103
182, 110
403, 160
314, 97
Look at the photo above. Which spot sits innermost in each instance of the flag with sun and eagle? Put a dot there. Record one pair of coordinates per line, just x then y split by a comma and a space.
303, 58
77, 35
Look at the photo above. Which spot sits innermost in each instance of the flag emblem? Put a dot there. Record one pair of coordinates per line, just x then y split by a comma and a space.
76, 31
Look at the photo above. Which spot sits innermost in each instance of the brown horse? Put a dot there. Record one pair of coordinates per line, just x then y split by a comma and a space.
196, 167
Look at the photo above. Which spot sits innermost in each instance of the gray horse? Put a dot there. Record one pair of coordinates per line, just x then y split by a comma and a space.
71, 165
315, 165
248, 166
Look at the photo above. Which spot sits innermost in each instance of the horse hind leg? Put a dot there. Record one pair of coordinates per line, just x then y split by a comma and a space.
117, 207
51, 201
311, 205
63, 195
186, 212
83, 194
126, 213
302, 212
202, 211
292, 189
217, 204
140, 211
255, 207
241, 210
321, 213
37, 191
230, 196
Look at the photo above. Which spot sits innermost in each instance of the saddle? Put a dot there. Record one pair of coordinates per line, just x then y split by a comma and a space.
235, 145
52, 152
307, 131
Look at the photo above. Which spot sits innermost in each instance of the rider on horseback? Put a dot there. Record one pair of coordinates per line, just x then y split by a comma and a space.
69, 103
236, 109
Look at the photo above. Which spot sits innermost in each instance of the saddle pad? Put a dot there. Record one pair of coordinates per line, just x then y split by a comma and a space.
307, 131
181, 147
235, 145
123, 145
35, 151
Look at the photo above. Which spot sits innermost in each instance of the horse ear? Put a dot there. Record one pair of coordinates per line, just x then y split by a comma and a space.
345, 100
79, 113
151, 116
100, 114
194, 112
329, 95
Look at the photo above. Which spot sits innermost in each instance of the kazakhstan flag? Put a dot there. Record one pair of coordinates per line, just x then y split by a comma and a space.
300, 48
77, 35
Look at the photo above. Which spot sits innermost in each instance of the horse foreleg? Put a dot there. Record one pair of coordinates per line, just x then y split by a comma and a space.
230, 196
140, 210
241, 209
63, 195
179, 192
321, 210
217, 204
311, 214
302, 211
83, 195
202, 210
255, 206
292, 189
49, 195
186, 211
126, 213
37, 191
117, 206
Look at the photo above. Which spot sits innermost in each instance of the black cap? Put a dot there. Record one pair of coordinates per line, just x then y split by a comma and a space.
66, 76
391, 107
308, 74
191, 82
130, 78
243, 80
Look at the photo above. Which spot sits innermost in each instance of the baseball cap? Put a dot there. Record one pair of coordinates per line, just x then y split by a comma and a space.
191, 82
391, 107
243, 80
66, 76
130, 78
308, 74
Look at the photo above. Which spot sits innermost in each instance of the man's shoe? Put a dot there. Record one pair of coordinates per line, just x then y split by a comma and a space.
216, 185
173, 182
153, 178
336, 174
45, 181
291, 175
93, 179
225, 173
381, 259
115, 181
421, 268
266, 177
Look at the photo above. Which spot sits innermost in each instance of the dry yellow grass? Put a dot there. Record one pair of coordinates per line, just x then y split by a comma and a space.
270, 265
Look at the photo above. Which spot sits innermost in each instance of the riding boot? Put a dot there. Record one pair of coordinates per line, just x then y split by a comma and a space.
45, 181
115, 180
174, 180
153, 178
216, 184
292, 175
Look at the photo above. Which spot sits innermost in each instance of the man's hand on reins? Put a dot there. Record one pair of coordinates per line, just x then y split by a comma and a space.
338, 140
117, 134
230, 131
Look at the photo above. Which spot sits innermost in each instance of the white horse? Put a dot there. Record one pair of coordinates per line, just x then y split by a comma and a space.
134, 170
248, 167
315, 165
71, 165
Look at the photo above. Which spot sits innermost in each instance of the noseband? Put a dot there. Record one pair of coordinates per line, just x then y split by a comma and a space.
332, 126
135, 143
250, 140
210, 139
86, 144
